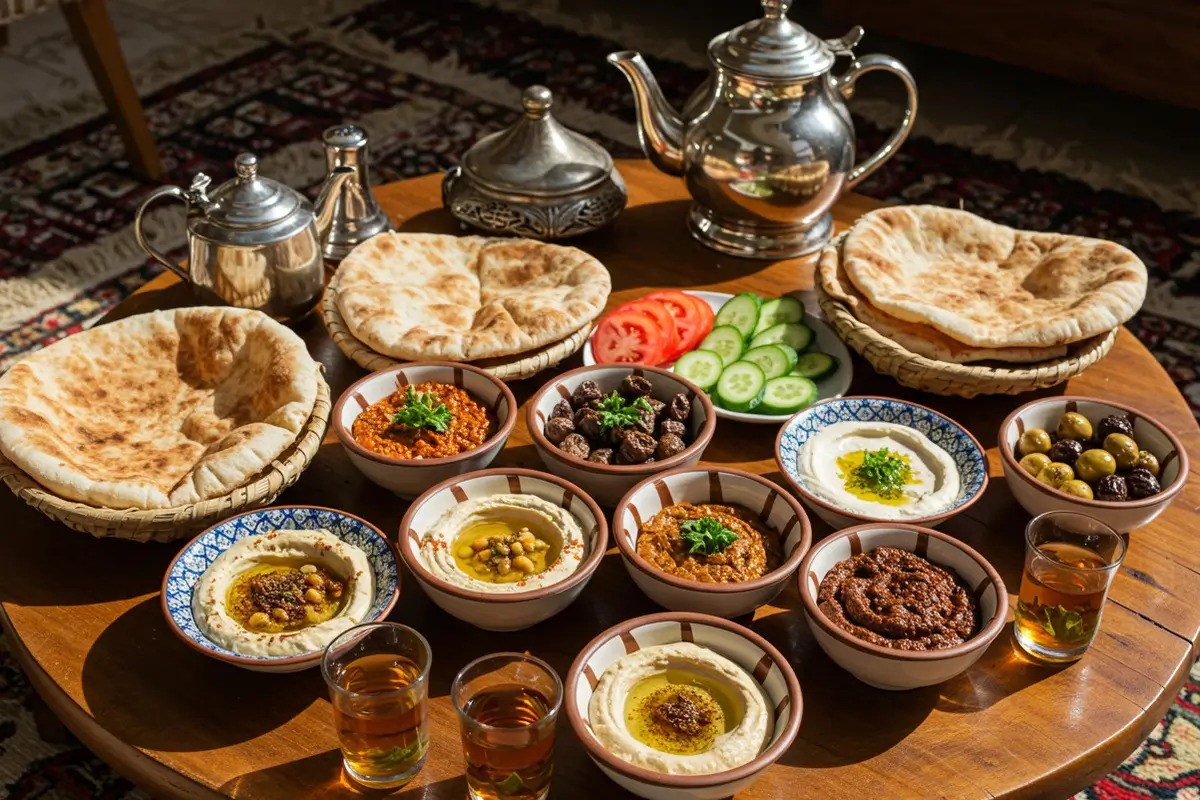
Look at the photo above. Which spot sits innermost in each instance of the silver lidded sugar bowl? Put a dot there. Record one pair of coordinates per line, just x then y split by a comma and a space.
766, 144
537, 179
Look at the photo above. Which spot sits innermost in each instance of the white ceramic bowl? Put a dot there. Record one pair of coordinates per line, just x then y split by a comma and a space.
741, 645
711, 485
408, 477
883, 667
510, 611
956, 440
608, 483
1150, 434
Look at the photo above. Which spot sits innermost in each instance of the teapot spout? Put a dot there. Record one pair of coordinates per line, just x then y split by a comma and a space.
326, 202
660, 127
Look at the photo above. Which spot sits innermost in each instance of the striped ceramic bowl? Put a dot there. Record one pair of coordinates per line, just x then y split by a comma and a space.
509, 611
1150, 434
609, 482
408, 477
697, 485
741, 645
883, 667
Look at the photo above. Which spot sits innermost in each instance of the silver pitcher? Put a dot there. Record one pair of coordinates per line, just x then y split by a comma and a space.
766, 144
252, 242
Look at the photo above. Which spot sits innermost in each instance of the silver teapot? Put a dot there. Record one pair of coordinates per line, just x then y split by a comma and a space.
766, 144
253, 242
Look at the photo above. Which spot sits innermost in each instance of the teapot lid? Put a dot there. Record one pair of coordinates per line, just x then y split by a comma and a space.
772, 47
538, 156
250, 201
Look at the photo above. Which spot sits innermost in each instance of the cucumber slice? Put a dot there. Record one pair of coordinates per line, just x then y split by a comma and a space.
787, 395
741, 311
779, 310
794, 334
726, 341
701, 367
815, 366
774, 359
740, 387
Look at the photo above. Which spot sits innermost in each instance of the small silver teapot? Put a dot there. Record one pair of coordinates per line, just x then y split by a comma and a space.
253, 242
766, 144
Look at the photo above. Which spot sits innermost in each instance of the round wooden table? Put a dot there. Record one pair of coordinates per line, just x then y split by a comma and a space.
84, 618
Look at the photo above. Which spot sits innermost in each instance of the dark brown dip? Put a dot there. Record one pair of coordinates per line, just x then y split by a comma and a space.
754, 553
894, 598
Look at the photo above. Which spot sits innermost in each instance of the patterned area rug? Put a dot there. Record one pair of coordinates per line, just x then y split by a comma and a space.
428, 77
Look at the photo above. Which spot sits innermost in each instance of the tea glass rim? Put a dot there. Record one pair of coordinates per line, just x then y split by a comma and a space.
551, 715
1111, 566
422, 679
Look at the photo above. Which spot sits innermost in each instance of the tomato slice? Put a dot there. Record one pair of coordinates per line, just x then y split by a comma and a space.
627, 337
693, 317
665, 322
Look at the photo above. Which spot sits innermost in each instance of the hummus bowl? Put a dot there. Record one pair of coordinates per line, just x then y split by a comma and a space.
553, 510
945, 464
891, 668
408, 477
608, 483
775, 508
771, 689
373, 592
1122, 516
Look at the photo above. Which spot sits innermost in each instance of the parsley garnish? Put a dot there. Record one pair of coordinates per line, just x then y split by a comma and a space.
422, 410
882, 473
615, 412
706, 535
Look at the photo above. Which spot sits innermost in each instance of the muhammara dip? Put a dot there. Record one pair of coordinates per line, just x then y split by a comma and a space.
255, 576
680, 709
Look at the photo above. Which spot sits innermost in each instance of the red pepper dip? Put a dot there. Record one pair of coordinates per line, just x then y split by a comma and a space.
755, 552
897, 599
470, 425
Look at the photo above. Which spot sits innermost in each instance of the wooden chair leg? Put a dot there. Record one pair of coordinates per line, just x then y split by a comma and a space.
93, 31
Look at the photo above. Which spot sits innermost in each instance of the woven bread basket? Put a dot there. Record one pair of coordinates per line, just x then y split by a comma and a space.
511, 368
181, 522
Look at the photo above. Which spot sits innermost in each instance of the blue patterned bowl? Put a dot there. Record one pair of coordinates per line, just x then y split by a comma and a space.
199, 554
967, 453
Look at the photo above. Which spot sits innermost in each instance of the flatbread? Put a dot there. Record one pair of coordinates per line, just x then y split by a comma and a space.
989, 285
913, 336
417, 296
158, 410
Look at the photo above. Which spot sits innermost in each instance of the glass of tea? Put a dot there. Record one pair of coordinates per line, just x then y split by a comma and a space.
378, 676
1070, 561
508, 704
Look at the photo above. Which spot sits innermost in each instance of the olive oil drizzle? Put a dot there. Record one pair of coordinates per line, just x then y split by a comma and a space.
679, 712
866, 487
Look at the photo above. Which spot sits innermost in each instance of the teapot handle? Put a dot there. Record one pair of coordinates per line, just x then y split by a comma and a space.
845, 85
162, 191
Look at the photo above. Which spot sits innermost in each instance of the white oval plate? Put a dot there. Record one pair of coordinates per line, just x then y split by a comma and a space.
835, 385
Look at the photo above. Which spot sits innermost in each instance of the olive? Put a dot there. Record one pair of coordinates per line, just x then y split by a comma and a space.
1074, 425
1066, 451
1055, 473
1092, 465
1142, 484
1147, 461
1112, 488
1034, 440
1114, 423
1076, 488
1035, 463
1124, 450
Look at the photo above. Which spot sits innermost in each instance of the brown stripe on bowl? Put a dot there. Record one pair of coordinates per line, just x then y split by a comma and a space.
495, 409
922, 548
401, 380
782, 706
590, 674
514, 484
715, 493
629, 643
459, 381
982, 587
855, 544
637, 517
664, 493
362, 401
567, 498
769, 505
685, 632
763, 668
459, 493
563, 392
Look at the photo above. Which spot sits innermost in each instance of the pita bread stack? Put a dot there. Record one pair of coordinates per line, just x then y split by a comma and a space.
159, 410
958, 289
420, 296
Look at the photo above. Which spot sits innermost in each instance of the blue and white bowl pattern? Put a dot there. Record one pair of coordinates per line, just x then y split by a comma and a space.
199, 555
946, 433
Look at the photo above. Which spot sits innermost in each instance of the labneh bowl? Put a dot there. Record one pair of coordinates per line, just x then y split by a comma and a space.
502, 611
190, 564
608, 483
885, 667
408, 477
720, 485
741, 645
1122, 516
965, 451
